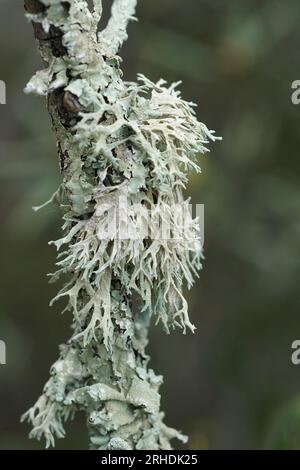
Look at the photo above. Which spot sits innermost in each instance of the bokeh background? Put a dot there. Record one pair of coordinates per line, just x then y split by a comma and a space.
232, 385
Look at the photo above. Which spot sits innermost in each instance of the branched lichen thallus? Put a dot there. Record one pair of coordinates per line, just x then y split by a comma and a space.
129, 241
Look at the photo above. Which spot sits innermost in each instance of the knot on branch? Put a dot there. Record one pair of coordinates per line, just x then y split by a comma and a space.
67, 105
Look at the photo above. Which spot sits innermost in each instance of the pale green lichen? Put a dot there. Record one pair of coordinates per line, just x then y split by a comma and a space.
125, 151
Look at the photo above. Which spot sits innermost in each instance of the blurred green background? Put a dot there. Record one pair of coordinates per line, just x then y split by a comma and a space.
232, 385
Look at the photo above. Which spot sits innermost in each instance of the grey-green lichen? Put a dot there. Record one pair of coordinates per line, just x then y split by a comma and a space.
125, 150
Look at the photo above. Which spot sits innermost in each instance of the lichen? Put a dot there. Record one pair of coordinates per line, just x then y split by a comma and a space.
125, 152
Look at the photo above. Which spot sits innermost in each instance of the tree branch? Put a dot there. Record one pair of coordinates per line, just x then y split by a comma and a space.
115, 33
123, 148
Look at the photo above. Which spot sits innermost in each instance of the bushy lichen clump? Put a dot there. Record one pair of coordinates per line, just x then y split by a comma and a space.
125, 151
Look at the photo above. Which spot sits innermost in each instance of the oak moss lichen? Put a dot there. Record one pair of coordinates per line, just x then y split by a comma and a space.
119, 143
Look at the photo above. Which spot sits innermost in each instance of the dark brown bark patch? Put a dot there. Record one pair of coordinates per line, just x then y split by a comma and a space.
34, 6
